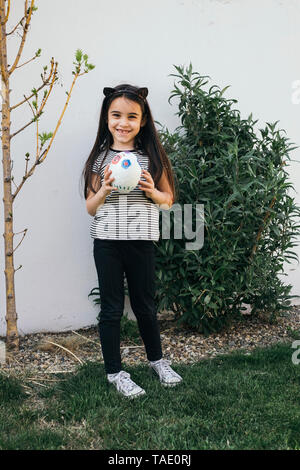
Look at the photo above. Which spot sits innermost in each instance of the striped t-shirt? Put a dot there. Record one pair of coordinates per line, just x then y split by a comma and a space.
130, 216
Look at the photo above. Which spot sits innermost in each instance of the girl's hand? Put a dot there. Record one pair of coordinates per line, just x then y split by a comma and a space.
148, 185
107, 183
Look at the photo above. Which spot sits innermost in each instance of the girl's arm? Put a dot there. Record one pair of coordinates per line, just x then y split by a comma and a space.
94, 200
162, 195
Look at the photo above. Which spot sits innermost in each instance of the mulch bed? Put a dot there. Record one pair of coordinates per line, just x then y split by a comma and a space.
38, 355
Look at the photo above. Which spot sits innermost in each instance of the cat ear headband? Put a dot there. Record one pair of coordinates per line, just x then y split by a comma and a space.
141, 92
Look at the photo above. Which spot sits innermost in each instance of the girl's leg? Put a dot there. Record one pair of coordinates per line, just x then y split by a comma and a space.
139, 261
110, 271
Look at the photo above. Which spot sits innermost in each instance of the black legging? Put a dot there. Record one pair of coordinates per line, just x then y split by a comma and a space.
136, 259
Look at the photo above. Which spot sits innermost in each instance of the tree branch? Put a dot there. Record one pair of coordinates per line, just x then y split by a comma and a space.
13, 30
42, 157
26, 125
25, 29
267, 215
29, 173
7, 14
61, 116
29, 104
44, 101
27, 62
45, 83
39, 112
22, 128
26, 165
37, 133
24, 233
53, 73
2, 38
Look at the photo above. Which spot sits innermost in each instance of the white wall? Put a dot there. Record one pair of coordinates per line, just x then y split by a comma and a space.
248, 44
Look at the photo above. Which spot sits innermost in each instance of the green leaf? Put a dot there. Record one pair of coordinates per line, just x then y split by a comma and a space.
78, 55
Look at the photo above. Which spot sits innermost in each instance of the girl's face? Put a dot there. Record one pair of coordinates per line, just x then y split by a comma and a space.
124, 122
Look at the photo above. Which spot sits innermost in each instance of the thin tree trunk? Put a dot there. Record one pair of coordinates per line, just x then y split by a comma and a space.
12, 336
11, 315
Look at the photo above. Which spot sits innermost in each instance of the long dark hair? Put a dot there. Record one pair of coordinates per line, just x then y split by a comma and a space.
146, 141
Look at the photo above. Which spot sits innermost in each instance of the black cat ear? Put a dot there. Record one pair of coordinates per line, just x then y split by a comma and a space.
108, 91
143, 92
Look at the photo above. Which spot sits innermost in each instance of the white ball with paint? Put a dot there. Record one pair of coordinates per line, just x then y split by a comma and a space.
126, 170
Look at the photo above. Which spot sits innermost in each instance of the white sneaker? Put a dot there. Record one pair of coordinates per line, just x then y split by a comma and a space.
167, 376
125, 385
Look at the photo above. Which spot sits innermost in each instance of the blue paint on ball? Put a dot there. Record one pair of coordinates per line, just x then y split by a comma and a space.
126, 164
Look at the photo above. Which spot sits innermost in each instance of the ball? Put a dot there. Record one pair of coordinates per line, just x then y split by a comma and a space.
126, 170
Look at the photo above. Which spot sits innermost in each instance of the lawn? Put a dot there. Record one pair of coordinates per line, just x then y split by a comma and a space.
238, 401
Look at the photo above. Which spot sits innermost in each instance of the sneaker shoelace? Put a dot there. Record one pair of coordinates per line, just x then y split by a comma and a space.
124, 381
164, 367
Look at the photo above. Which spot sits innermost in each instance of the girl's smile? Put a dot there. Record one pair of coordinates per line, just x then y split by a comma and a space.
122, 132
124, 122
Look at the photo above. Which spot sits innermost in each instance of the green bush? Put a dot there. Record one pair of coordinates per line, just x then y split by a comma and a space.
241, 179
129, 330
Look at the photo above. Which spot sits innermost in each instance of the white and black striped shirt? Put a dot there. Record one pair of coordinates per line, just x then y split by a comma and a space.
130, 216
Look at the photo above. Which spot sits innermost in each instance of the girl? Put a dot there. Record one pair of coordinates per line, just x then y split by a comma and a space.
121, 245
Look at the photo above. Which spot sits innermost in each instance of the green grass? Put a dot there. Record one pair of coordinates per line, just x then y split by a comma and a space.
236, 401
